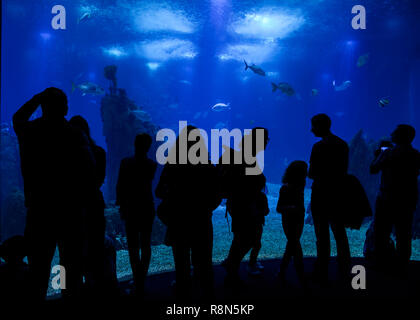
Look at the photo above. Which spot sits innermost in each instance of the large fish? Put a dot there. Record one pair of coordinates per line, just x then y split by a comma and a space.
255, 69
218, 107
283, 87
88, 88
342, 86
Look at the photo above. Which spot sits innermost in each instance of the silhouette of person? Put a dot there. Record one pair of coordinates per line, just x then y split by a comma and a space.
398, 194
135, 198
94, 214
57, 168
245, 200
292, 207
189, 195
14, 274
328, 169
255, 268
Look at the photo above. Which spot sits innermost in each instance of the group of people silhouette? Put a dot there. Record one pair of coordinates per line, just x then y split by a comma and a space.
63, 170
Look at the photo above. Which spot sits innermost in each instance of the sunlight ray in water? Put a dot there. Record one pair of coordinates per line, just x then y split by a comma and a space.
153, 65
115, 51
268, 23
166, 49
161, 18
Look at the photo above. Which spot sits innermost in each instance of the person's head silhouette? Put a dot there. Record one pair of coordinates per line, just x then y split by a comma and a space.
296, 173
255, 132
82, 124
255, 140
403, 135
54, 103
142, 144
321, 125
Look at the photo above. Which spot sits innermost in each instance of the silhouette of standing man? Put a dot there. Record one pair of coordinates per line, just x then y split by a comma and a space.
398, 195
188, 191
328, 169
245, 201
135, 198
57, 166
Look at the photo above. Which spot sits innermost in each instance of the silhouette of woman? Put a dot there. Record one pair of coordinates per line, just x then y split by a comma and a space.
94, 228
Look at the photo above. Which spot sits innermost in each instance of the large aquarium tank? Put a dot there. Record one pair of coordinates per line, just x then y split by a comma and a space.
130, 66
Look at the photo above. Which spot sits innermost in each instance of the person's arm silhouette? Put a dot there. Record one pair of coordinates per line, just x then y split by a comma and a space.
313, 165
379, 161
283, 203
22, 116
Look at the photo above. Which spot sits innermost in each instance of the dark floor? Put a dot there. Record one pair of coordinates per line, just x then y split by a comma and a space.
267, 295
379, 284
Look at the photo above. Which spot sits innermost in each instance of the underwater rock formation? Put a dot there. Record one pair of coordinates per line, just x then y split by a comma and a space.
9, 161
110, 72
122, 121
11, 180
361, 155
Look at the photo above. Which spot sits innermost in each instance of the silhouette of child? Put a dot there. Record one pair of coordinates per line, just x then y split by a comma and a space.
291, 206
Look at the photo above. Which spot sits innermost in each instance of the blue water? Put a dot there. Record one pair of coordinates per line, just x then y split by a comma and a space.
178, 58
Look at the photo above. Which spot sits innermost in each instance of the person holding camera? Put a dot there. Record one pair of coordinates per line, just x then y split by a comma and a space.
399, 164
